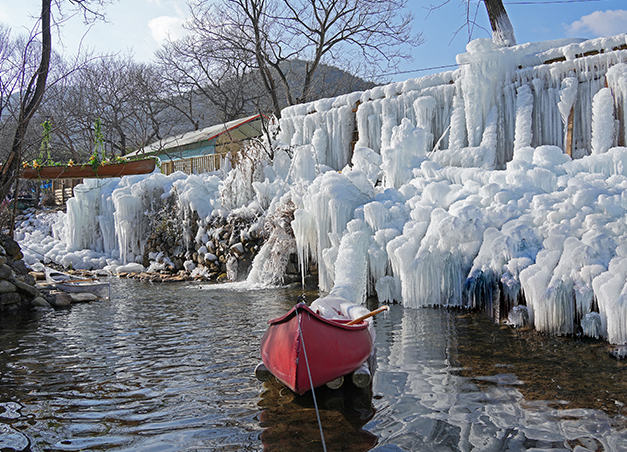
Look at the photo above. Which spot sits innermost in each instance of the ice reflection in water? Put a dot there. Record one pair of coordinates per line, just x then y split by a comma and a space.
169, 368
456, 382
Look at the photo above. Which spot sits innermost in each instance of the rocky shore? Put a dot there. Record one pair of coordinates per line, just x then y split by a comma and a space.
19, 286
222, 251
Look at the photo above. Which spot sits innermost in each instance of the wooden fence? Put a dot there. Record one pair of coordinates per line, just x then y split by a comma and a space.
63, 189
202, 164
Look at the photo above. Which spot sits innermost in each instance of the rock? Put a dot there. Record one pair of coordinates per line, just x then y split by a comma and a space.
210, 257
291, 268
173, 279
619, 352
82, 297
40, 302
5, 271
28, 279
24, 288
11, 247
60, 299
6, 287
237, 248
10, 298
20, 267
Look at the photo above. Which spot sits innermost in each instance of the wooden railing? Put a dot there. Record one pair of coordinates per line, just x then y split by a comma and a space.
202, 164
63, 189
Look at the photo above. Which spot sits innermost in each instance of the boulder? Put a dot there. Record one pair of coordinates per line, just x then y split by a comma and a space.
60, 299
5, 271
20, 267
40, 302
82, 297
25, 289
6, 287
10, 298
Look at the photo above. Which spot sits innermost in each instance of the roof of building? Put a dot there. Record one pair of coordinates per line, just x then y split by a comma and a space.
239, 129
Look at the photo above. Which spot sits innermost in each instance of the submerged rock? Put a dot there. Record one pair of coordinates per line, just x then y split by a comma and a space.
518, 316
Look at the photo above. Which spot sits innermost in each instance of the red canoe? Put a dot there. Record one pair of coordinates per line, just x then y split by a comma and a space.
333, 349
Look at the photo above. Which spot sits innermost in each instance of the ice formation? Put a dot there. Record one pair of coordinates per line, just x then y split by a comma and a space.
450, 190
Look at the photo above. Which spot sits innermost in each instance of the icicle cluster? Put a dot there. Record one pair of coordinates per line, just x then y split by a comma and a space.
445, 226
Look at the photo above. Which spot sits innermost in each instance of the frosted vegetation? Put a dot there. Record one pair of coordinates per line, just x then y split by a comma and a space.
456, 189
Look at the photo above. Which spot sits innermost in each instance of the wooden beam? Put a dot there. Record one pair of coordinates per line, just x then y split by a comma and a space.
569, 132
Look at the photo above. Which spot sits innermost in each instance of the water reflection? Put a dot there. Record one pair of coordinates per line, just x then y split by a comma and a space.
457, 382
290, 422
165, 368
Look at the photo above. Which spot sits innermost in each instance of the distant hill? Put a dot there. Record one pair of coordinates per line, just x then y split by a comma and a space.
329, 81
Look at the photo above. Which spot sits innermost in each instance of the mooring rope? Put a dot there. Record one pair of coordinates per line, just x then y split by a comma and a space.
313, 393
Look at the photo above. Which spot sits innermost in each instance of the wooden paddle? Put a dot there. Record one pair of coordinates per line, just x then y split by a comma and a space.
367, 316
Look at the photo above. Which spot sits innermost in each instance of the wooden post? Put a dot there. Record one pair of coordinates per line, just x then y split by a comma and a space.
569, 132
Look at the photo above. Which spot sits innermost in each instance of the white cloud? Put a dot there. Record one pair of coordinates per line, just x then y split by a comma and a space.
600, 23
165, 27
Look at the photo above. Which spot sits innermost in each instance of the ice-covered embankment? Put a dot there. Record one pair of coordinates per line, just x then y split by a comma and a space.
154, 223
464, 193
499, 186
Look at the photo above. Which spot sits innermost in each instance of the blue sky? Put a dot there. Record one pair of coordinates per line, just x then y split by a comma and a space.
139, 26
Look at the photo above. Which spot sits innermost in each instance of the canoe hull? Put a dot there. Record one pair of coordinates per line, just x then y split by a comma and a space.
69, 283
331, 348
98, 288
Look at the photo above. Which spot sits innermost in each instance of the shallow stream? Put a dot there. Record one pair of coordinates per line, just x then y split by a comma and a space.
170, 368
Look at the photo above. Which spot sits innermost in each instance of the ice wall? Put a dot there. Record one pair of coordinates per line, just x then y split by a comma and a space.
498, 214
108, 220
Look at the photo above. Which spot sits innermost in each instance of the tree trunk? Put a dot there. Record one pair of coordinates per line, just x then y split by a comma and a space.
502, 30
32, 96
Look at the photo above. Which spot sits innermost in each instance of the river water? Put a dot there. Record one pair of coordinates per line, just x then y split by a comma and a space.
170, 368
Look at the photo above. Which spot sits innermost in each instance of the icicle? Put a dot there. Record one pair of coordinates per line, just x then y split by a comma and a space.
524, 110
602, 121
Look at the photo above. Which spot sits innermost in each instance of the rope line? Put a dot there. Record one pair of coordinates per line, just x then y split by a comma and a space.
313, 393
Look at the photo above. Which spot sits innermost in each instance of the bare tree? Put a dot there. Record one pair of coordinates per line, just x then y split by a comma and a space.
265, 35
24, 76
502, 29
125, 96
30, 97
193, 67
